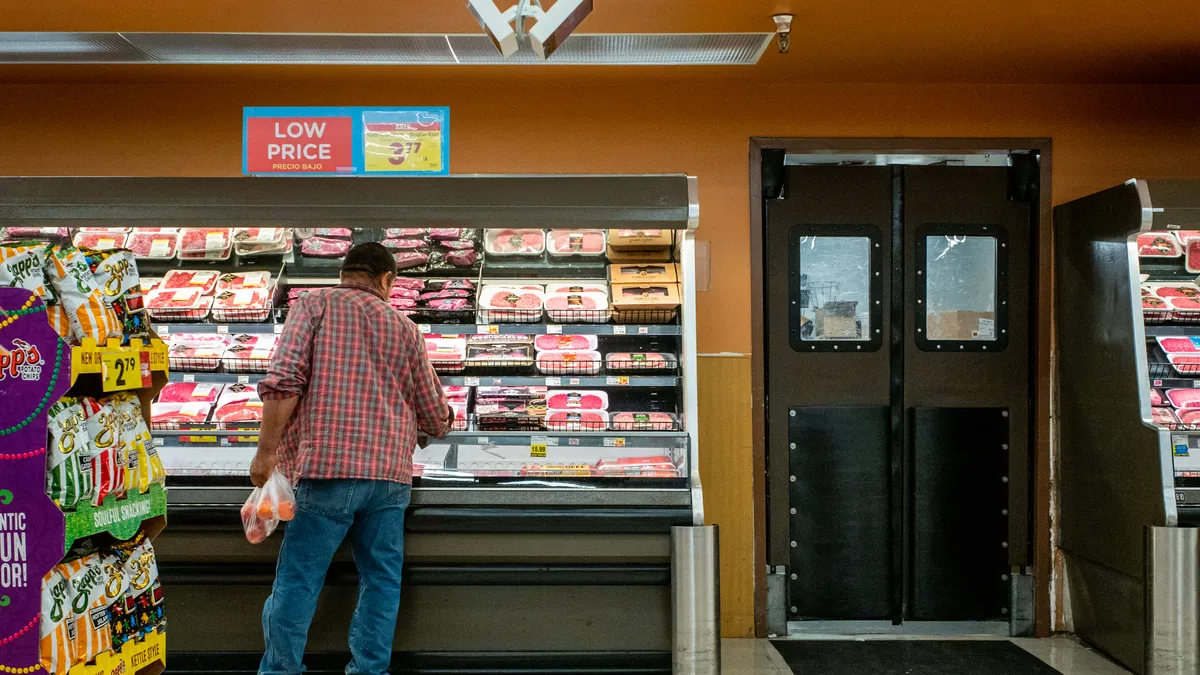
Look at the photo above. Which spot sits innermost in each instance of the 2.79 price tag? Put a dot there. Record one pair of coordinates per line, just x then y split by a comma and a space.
124, 370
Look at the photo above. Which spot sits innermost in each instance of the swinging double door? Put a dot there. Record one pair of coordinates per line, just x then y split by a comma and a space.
898, 379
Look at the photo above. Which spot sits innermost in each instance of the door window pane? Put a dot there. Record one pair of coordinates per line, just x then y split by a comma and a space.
835, 283
960, 287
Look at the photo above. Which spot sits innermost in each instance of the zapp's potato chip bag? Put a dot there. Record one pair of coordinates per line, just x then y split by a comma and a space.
68, 455
90, 315
116, 275
57, 638
90, 607
59, 321
108, 464
142, 611
143, 468
23, 266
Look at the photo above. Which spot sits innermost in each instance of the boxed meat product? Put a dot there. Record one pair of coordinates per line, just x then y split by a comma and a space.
643, 421
558, 343
528, 393
99, 241
580, 399
650, 303
1184, 398
1154, 310
189, 392
576, 420
249, 353
207, 240
152, 246
238, 280
569, 362
575, 242
503, 242
657, 255
242, 305
171, 415
1179, 345
189, 358
648, 273
640, 361
177, 304
334, 232
239, 403
510, 421
410, 261
1166, 417
1158, 245
498, 351
324, 247
640, 240
447, 354
1184, 309
578, 307
205, 280
405, 232
512, 304
1185, 364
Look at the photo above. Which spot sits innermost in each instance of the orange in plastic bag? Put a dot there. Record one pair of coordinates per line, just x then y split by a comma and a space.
266, 506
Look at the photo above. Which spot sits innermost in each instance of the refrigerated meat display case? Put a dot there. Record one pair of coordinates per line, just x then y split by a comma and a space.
1127, 268
540, 530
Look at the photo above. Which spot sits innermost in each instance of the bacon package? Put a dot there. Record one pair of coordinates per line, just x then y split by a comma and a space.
576, 242
187, 392
447, 354
152, 245
238, 403
205, 280
1158, 245
324, 247
99, 241
514, 242
559, 343
643, 421
242, 305
578, 307
623, 361
168, 415
569, 362
568, 399
576, 420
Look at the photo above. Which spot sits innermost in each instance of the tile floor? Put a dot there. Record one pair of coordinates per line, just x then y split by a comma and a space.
757, 657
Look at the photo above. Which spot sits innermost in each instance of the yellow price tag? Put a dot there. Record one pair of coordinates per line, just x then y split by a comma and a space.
123, 370
537, 450
401, 149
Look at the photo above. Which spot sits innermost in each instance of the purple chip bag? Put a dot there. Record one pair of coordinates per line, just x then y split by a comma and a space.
321, 247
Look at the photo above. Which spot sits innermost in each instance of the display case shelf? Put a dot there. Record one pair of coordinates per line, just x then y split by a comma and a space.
165, 329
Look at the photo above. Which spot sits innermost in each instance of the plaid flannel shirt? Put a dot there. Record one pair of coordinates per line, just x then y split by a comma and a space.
365, 386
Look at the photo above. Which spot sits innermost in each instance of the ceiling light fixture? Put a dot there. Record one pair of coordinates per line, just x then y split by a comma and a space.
550, 27
783, 32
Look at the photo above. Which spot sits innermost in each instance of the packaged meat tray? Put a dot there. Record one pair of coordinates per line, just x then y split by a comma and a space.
255, 246
577, 287
1174, 290
198, 359
249, 353
215, 340
409, 283
402, 303
569, 363
1158, 245
576, 399
447, 354
488, 393
1185, 364
405, 232
643, 421
1157, 398
1184, 310
189, 392
1191, 257
122, 230
499, 353
410, 261
578, 307
654, 466
1184, 398
152, 246
243, 305
514, 242
171, 415
1179, 345
239, 403
1166, 417
258, 235
576, 420
238, 280
559, 343
324, 247
205, 280
205, 240
576, 243
398, 244
1188, 419
456, 393
1155, 310
177, 304
99, 241
1186, 237
641, 361
509, 304
37, 232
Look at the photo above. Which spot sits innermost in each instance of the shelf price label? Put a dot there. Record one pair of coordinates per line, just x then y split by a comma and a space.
470, 381
618, 330
125, 370
619, 380
553, 330
489, 329
553, 381
424, 328
614, 442
537, 449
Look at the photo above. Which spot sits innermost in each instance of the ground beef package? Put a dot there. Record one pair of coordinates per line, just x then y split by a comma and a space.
57, 623
68, 455
87, 310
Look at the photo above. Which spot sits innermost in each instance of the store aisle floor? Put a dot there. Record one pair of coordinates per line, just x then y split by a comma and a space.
1068, 656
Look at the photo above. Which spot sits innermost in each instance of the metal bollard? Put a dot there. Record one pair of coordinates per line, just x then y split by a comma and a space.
1172, 600
695, 601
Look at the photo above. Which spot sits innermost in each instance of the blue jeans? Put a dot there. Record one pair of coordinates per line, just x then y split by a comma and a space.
372, 512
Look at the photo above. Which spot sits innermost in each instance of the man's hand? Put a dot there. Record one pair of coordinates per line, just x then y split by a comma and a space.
263, 466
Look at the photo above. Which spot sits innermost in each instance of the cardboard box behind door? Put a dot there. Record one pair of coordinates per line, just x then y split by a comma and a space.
837, 320
961, 325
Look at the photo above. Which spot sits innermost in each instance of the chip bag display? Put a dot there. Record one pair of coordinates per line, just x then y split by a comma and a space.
140, 611
143, 466
24, 266
87, 310
68, 455
116, 276
89, 606
57, 625
108, 460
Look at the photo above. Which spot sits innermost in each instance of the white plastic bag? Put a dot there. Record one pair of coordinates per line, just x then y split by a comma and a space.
266, 506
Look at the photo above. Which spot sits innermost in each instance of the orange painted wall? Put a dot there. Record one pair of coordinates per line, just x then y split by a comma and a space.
1102, 136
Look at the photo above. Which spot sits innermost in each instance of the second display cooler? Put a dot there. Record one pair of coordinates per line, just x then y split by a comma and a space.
559, 313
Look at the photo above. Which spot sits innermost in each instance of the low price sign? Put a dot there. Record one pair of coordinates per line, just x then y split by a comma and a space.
346, 141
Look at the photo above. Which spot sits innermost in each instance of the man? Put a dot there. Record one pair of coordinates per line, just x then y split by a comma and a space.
347, 391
